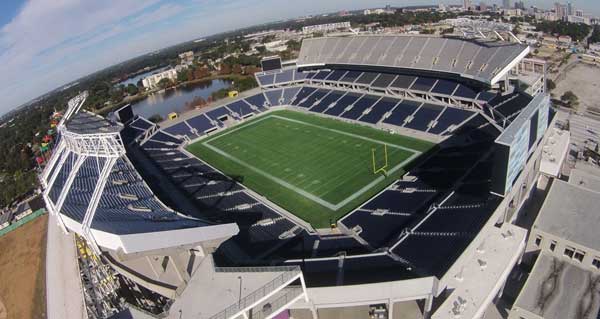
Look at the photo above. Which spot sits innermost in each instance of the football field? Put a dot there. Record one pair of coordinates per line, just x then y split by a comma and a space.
314, 167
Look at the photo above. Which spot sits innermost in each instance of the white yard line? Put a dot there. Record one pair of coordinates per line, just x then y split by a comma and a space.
301, 191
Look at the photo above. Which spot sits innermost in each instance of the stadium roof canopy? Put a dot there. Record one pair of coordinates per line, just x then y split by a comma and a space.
93, 188
486, 61
85, 122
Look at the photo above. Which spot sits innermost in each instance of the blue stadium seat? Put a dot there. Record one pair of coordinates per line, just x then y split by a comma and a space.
284, 76
378, 110
259, 100
326, 101
401, 112
289, 94
266, 79
201, 123
274, 97
451, 116
240, 107
444, 87
360, 106
180, 129
302, 94
425, 114
313, 98
343, 103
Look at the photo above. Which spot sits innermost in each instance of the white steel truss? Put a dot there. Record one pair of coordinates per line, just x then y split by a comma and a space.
93, 205
73, 106
51, 163
97, 144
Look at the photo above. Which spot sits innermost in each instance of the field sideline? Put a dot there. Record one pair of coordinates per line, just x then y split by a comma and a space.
316, 168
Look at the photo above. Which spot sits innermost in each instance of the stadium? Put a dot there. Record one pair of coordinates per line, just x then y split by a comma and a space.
372, 172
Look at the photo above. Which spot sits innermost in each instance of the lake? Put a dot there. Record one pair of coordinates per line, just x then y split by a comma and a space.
174, 100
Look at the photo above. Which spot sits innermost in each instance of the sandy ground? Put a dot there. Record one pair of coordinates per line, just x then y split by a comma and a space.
22, 275
584, 81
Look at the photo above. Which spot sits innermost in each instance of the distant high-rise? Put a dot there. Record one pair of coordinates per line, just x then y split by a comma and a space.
520, 5
570, 10
506, 4
560, 10
467, 5
483, 6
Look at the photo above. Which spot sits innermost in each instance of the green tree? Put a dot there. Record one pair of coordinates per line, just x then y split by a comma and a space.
183, 76
550, 85
155, 118
293, 45
570, 99
165, 83
132, 89
261, 49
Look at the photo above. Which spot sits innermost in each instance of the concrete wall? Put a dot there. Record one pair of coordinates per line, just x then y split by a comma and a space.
518, 313
561, 244
358, 295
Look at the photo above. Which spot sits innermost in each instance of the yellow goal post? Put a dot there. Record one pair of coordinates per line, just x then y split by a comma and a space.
384, 167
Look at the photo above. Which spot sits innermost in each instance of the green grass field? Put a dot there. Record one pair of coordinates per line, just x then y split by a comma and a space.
317, 168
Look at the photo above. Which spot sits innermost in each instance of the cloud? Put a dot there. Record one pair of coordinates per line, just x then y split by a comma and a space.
53, 42
45, 31
163, 12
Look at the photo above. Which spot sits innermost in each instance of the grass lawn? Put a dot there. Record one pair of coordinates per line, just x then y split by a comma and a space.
317, 168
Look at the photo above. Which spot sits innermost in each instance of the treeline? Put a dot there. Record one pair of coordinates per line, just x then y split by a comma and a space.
20, 140
595, 37
577, 31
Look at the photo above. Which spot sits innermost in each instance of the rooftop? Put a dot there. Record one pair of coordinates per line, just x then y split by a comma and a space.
89, 123
570, 212
582, 178
558, 289
554, 152
513, 131
477, 283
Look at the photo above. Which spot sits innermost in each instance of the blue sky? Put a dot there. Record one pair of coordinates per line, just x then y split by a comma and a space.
47, 43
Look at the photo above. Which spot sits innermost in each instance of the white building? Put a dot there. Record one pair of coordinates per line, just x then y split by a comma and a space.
377, 11
467, 5
276, 46
562, 283
186, 58
325, 27
151, 82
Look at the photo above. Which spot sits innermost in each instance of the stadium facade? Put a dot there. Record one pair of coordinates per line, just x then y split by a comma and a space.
443, 232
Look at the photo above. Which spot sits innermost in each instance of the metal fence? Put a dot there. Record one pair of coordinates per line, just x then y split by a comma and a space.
22, 221
290, 293
289, 272
295, 269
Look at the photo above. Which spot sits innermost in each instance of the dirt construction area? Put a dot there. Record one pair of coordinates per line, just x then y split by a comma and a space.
584, 80
22, 271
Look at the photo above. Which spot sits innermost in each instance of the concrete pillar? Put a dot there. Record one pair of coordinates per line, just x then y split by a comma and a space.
428, 305
390, 309
314, 312
304, 287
